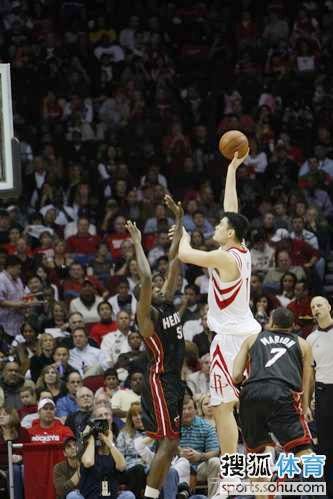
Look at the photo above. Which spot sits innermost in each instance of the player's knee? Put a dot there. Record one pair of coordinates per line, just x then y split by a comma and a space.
224, 408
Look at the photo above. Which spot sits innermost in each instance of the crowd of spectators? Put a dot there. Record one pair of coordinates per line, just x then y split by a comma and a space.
116, 104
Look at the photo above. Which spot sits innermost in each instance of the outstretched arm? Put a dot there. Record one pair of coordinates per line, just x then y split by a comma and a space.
230, 192
170, 284
144, 304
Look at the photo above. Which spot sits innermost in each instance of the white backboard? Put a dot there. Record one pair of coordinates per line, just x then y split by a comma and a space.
9, 150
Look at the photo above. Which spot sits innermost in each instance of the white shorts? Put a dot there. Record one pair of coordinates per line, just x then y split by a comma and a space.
223, 351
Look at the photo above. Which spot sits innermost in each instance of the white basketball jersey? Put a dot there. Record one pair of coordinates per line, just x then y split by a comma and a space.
228, 302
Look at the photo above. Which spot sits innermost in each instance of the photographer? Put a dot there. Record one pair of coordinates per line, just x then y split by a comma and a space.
101, 460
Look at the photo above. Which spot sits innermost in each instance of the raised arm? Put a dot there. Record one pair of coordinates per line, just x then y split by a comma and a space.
144, 303
170, 284
230, 191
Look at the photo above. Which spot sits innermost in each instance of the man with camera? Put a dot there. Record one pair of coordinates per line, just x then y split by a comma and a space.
101, 461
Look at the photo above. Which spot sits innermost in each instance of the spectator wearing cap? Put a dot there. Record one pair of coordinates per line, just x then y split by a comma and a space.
12, 305
47, 428
87, 302
262, 255
116, 342
86, 359
105, 325
66, 474
67, 404
198, 382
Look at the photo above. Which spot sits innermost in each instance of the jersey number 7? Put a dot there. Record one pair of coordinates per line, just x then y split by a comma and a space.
278, 353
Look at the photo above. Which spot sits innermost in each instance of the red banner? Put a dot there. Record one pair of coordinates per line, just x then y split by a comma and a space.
39, 460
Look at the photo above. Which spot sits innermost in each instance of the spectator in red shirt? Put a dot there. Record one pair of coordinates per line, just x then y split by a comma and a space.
305, 256
83, 243
73, 284
246, 30
28, 399
106, 324
301, 308
47, 428
45, 247
118, 235
14, 235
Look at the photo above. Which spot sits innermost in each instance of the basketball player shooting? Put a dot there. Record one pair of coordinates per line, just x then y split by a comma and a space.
229, 314
160, 326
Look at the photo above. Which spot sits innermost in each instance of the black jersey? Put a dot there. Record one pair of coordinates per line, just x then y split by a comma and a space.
166, 347
276, 356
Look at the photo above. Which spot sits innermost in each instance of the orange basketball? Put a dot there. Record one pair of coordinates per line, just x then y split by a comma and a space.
233, 141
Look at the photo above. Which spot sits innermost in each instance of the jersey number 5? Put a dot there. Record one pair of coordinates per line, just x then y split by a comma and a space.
278, 353
179, 332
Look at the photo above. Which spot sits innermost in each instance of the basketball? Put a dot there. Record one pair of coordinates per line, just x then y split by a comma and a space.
233, 141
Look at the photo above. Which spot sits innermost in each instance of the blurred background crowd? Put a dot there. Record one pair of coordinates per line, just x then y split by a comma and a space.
116, 104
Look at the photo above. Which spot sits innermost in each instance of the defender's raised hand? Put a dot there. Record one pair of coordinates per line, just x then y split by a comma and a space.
133, 231
176, 208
